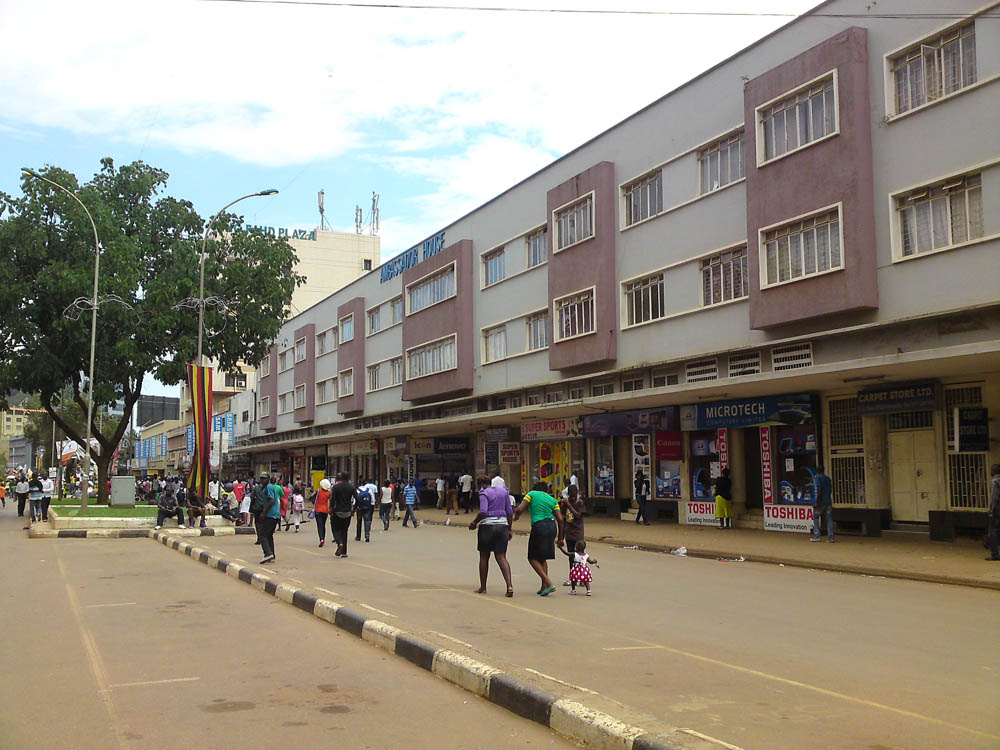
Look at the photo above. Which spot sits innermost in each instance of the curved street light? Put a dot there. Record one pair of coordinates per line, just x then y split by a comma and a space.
201, 272
93, 330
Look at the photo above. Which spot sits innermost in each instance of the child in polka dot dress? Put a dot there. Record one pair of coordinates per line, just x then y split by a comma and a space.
580, 573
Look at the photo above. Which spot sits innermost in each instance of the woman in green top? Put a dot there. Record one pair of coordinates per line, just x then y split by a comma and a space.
547, 531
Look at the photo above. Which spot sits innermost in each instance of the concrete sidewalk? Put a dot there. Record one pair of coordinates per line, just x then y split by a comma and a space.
959, 563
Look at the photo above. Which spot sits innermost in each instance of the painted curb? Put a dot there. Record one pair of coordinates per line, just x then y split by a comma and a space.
49, 533
566, 717
708, 554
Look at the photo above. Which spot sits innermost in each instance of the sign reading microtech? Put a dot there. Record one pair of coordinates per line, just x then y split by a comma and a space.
408, 259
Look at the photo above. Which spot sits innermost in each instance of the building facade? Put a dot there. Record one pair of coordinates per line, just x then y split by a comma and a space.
790, 261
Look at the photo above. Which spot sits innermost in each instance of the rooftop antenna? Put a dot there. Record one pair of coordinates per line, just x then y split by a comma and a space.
359, 219
373, 228
322, 212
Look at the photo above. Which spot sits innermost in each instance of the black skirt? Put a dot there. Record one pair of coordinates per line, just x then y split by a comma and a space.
542, 540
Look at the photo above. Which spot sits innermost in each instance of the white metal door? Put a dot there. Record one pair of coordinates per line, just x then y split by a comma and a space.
913, 473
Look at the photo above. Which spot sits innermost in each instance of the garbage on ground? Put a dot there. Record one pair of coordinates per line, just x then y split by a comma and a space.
634, 546
681, 551
731, 559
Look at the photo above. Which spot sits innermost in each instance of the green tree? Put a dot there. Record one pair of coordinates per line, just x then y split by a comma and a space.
149, 263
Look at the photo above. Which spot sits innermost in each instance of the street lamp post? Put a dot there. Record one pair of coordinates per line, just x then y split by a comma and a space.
201, 271
85, 491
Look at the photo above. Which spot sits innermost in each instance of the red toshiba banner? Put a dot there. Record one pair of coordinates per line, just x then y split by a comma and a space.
766, 466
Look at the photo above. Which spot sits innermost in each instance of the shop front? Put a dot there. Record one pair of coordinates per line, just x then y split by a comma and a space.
553, 450
447, 457
398, 463
621, 443
770, 446
338, 459
364, 461
315, 465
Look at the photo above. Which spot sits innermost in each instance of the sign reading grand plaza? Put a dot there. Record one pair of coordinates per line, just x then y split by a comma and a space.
766, 270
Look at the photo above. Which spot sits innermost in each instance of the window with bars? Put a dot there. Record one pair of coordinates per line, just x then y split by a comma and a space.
300, 350
744, 363
955, 396
347, 329
495, 343
346, 382
432, 290
643, 198
396, 306
803, 248
602, 389
968, 481
494, 267
910, 420
437, 356
537, 246
538, 331
792, 356
575, 315
847, 475
722, 162
644, 300
945, 214
396, 371
845, 426
374, 380
575, 223
724, 277
799, 119
300, 396
934, 68
375, 320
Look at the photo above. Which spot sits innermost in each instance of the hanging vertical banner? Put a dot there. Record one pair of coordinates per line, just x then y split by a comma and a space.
766, 466
200, 385
722, 445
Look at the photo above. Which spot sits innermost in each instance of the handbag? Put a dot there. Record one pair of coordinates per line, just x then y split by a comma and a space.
312, 514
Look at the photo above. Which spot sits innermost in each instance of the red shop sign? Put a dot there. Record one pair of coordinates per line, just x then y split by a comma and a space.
668, 445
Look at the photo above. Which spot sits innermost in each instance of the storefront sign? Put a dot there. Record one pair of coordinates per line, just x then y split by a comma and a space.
668, 445
394, 445
510, 453
189, 436
497, 434
796, 518
701, 513
422, 446
364, 447
451, 445
551, 429
889, 399
339, 449
283, 232
722, 443
766, 466
629, 422
972, 429
790, 409
413, 256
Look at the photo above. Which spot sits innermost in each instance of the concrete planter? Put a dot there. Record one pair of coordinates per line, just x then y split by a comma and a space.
67, 522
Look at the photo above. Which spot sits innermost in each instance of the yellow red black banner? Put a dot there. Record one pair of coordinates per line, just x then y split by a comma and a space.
200, 385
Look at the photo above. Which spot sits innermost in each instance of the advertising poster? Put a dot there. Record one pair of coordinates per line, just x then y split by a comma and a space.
778, 515
560, 478
701, 513
510, 453
640, 455
604, 468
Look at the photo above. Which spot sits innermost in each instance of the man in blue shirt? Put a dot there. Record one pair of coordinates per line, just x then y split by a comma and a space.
269, 521
824, 505
410, 496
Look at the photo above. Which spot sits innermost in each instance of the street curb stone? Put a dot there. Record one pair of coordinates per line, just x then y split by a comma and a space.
566, 717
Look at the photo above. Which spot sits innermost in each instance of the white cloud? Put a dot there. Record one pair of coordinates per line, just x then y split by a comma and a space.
498, 93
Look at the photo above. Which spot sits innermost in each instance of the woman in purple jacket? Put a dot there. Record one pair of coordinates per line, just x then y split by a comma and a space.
494, 521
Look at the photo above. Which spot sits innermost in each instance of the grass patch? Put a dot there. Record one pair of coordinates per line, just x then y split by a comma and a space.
103, 511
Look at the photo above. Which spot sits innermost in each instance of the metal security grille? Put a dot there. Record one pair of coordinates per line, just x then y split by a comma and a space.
744, 363
967, 480
706, 369
792, 357
962, 395
911, 420
847, 474
845, 423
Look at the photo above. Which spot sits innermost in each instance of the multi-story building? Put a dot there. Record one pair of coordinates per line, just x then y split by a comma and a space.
150, 454
329, 261
790, 260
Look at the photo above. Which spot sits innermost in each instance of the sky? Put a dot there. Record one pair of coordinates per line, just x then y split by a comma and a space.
435, 110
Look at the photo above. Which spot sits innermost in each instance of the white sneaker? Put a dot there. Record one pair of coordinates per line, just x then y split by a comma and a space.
182, 526
156, 528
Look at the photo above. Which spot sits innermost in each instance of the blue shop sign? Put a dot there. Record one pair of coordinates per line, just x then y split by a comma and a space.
190, 438
409, 258
793, 409
630, 422
897, 397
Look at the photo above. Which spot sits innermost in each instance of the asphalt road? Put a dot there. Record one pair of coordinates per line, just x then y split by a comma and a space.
123, 644
757, 656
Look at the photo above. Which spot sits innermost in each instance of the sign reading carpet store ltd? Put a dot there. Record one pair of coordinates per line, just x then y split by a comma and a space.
897, 397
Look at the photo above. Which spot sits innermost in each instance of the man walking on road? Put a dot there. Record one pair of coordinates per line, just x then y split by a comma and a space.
48, 488
994, 517
367, 494
269, 522
824, 505
641, 496
345, 497
465, 488
410, 496
21, 492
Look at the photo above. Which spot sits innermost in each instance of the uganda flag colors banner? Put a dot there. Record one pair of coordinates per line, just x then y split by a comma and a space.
200, 385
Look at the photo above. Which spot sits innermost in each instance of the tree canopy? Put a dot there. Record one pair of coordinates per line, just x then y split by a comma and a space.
148, 265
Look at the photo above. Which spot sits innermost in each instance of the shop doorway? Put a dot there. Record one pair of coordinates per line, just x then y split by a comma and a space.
752, 468
913, 473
